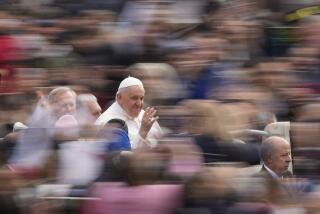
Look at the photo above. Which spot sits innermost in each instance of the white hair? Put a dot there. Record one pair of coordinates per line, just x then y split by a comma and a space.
57, 92
87, 98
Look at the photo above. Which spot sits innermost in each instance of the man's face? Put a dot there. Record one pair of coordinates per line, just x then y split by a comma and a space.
280, 158
65, 103
131, 100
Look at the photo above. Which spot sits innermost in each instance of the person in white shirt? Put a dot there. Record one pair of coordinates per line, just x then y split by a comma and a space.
144, 130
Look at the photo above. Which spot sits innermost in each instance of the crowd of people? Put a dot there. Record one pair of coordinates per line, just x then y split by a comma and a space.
159, 106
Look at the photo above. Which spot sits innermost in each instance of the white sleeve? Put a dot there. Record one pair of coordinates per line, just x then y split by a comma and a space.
152, 138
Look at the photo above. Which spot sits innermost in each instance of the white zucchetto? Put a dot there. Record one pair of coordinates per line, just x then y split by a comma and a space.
130, 81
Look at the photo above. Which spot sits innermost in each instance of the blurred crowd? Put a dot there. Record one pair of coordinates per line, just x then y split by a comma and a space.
221, 83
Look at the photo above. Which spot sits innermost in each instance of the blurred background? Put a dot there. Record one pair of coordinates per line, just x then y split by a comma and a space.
217, 71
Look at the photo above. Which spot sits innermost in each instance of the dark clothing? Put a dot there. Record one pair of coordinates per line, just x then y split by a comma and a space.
215, 150
208, 81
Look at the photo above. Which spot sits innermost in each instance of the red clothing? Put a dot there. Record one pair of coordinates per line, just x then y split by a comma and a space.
8, 55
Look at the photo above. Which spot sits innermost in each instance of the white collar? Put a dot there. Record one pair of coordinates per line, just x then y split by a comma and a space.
123, 112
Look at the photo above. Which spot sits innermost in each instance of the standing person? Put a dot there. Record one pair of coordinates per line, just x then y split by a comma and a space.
33, 157
35, 143
143, 127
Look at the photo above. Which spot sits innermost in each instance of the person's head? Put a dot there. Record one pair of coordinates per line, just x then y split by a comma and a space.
118, 123
115, 132
130, 96
276, 154
89, 104
62, 101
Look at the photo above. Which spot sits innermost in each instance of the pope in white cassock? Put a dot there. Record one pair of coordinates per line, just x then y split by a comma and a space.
143, 127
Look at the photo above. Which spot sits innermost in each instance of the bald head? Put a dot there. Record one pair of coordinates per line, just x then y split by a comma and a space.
276, 154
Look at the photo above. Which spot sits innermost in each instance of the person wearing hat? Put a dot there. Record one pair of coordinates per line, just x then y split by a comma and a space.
143, 127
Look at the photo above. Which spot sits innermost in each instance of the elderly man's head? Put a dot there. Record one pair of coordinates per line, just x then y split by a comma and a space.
88, 104
130, 96
276, 154
62, 101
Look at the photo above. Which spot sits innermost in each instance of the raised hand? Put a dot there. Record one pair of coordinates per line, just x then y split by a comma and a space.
148, 119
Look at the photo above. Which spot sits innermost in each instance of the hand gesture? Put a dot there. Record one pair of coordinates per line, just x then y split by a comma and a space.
149, 117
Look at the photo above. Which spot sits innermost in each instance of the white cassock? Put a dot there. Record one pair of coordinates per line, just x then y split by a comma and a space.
116, 112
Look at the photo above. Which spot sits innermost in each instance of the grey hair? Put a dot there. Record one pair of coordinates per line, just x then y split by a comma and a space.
87, 98
58, 91
82, 99
266, 149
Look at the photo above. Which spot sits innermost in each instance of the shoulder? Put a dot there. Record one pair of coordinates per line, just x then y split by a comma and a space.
262, 173
112, 112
